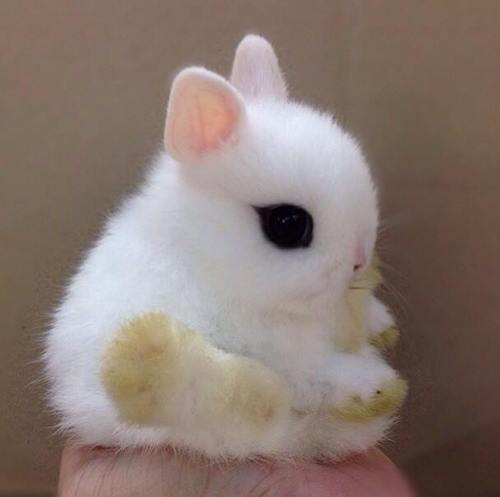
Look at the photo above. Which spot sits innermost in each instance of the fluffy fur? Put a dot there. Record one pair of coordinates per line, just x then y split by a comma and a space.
273, 368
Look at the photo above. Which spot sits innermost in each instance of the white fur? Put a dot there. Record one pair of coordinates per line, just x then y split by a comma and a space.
188, 243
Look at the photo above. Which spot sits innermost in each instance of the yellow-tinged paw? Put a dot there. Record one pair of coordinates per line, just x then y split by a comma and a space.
158, 372
139, 365
386, 339
253, 392
385, 401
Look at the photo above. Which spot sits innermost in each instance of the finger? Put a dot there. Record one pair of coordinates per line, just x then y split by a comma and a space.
367, 475
101, 473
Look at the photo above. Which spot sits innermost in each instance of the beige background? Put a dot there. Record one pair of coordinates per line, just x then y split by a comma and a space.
83, 86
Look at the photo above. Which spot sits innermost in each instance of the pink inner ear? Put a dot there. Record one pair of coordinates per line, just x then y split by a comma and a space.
211, 120
204, 112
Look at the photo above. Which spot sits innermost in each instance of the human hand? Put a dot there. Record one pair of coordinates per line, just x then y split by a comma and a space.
104, 473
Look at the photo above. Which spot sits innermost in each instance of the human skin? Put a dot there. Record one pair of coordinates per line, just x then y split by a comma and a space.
104, 473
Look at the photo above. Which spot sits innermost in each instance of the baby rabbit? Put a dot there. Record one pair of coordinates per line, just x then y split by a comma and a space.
227, 307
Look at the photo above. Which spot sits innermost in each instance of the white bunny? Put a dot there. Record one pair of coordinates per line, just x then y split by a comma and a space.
249, 230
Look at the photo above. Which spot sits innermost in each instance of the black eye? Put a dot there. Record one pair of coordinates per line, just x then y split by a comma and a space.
286, 226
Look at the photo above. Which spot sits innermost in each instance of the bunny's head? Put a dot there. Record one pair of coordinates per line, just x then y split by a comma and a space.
274, 203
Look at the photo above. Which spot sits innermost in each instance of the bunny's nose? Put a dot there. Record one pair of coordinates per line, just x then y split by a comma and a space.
360, 258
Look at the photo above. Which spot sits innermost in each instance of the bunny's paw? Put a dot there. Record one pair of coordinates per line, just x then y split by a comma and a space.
252, 392
383, 402
140, 366
156, 371
386, 339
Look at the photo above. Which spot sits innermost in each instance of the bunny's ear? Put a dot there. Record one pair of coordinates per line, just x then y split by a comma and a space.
204, 114
256, 72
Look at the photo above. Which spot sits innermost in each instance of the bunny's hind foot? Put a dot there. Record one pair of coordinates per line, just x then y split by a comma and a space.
158, 372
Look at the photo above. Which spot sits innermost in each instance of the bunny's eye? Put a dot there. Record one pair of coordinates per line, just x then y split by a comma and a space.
286, 226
